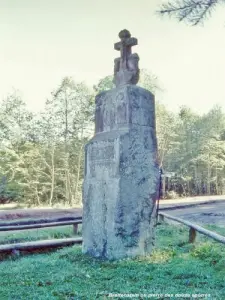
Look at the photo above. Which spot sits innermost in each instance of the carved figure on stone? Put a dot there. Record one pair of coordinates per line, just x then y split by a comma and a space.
126, 70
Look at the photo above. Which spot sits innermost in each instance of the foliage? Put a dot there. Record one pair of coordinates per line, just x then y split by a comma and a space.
42, 155
207, 252
8, 192
173, 268
199, 156
149, 81
104, 84
191, 11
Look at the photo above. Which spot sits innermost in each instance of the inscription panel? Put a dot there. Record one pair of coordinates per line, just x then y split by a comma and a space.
102, 162
102, 153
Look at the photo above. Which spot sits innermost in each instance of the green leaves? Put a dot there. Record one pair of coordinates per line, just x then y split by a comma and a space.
42, 155
200, 151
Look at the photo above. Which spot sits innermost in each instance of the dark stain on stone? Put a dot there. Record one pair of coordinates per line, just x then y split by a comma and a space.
142, 181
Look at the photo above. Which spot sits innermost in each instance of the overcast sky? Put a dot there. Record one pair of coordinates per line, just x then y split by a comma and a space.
43, 41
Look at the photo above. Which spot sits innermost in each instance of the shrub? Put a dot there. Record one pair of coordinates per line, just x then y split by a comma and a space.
206, 252
171, 195
8, 191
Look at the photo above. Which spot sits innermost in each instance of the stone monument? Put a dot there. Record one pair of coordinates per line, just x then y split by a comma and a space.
121, 180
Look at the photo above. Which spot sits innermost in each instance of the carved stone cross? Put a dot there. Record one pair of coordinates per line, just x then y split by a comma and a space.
126, 69
125, 47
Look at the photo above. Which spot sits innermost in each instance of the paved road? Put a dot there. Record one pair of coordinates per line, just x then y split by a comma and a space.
210, 213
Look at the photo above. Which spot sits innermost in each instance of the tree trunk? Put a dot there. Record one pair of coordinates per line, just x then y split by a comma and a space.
53, 177
208, 177
37, 196
78, 165
216, 183
67, 173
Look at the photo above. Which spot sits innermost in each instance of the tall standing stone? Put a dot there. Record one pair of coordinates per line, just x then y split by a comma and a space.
121, 169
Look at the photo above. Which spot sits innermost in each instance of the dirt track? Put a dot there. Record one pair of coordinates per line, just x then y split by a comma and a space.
6, 215
210, 213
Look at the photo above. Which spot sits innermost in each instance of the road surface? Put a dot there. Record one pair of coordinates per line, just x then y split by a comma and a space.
210, 213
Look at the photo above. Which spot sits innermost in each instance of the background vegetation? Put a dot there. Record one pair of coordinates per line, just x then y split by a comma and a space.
41, 155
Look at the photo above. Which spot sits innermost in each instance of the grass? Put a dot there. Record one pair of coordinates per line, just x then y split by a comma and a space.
174, 267
8, 237
217, 229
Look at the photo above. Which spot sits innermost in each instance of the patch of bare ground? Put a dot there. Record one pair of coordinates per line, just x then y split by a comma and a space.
14, 214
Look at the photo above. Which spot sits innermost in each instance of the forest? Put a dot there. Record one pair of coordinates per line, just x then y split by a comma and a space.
42, 154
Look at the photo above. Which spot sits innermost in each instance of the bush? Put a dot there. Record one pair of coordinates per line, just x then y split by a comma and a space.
171, 195
8, 191
207, 253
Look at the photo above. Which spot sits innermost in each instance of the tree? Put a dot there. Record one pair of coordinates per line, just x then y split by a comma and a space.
65, 125
104, 84
43, 154
15, 132
166, 124
211, 154
15, 119
191, 11
148, 80
198, 153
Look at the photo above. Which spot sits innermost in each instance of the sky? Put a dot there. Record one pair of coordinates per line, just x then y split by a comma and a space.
43, 41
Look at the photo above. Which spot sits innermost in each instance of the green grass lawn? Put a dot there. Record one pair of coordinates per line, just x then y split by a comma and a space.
174, 267
9, 237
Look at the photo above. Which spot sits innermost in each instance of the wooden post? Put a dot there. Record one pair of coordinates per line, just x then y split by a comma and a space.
75, 229
217, 237
163, 186
192, 235
161, 218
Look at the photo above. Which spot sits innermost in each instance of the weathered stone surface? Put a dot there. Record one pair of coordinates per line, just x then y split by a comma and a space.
123, 107
126, 70
121, 176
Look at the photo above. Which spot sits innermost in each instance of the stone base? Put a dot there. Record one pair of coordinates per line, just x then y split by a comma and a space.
121, 186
